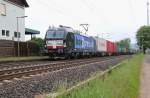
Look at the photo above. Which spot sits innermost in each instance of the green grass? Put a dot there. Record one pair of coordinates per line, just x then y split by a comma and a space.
123, 82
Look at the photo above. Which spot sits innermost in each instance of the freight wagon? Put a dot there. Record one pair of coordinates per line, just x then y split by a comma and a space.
110, 48
101, 46
122, 49
79, 45
115, 48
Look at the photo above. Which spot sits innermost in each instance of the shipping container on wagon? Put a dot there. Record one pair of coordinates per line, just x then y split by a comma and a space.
101, 45
115, 48
110, 47
121, 49
83, 42
94, 44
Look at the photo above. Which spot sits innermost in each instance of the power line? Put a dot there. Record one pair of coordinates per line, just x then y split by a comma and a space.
93, 11
92, 8
56, 9
86, 27
132, 11
46, 5
87, 5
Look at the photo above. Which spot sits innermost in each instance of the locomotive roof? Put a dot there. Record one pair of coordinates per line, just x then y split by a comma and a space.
62, 29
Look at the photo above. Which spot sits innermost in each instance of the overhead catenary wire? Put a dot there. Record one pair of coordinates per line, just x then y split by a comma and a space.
61, 11
92, 8
47, 6
132, 12
87, 5
57, 10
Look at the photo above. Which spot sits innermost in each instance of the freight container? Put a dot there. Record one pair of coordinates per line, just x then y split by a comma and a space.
118, 48
94, 45
110, 47
115, 48
78, 43
121, 49
83, 42
101, 45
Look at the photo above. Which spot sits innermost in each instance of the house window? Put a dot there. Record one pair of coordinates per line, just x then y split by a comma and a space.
7, 33
3, 32
17, 35
3, 9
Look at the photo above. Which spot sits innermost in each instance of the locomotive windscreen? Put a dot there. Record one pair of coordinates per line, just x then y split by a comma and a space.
55, 34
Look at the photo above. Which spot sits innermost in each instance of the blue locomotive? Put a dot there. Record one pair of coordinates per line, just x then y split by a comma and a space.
65, 42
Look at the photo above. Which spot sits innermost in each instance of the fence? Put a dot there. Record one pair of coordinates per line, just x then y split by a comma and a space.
10, 48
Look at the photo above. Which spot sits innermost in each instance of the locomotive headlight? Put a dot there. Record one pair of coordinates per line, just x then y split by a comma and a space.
59, 42
45, 46
49, 42
46, 42
65, 45
55, 42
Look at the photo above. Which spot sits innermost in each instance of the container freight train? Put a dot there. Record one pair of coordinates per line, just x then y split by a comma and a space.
68, 43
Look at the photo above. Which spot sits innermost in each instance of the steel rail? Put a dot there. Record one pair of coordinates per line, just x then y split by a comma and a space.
33, 70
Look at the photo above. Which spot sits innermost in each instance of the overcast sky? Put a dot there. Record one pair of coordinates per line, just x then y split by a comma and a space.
111, 19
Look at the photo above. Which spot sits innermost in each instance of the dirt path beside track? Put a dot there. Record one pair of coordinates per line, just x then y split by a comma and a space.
145, 78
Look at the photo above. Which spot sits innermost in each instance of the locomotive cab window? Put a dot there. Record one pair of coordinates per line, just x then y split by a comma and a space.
55, 34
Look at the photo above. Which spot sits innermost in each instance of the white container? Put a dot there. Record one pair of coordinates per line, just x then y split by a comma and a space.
101, 45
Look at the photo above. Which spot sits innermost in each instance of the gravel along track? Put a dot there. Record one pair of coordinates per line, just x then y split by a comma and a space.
31, 68
5, 65
51, 81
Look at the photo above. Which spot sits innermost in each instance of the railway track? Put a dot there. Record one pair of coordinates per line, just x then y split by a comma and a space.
21, 64
9, 71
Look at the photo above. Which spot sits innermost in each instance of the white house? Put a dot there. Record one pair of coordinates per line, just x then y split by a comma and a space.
9, 11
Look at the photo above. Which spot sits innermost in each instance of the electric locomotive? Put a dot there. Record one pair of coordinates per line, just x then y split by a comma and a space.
66, 42
55, 40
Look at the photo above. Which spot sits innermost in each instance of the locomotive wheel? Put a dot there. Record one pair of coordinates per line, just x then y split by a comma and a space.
67, 56
51, 57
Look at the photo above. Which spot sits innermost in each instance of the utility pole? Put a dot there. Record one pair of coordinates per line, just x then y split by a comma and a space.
141, 41
86, 27
147, 12
18, 33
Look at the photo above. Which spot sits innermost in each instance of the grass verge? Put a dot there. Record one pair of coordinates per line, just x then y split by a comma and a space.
121, 83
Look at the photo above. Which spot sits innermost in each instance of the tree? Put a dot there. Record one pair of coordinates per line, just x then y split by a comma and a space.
38, 41
143, 38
